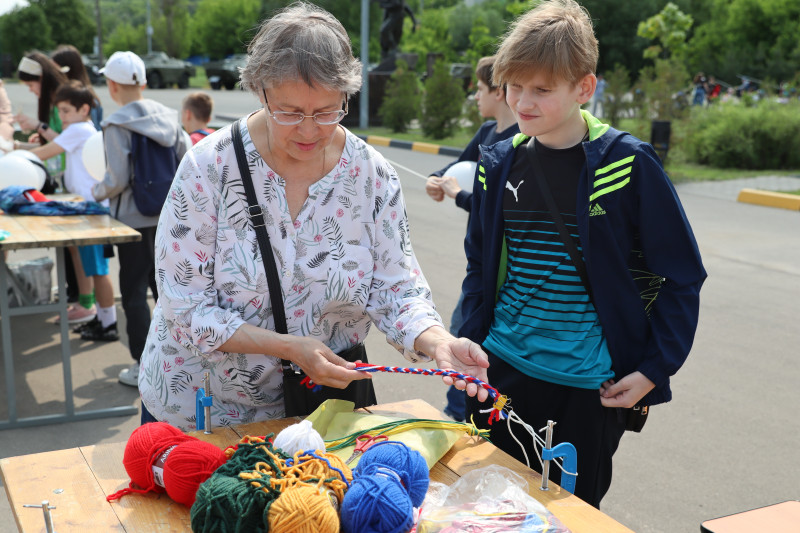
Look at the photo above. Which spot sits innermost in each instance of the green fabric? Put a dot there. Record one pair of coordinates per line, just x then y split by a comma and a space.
86, 300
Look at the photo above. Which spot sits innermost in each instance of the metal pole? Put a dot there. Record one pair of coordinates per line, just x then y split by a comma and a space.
363, 102
548, 443
149, 31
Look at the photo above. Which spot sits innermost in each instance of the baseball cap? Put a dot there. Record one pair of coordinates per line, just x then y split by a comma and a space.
126, 68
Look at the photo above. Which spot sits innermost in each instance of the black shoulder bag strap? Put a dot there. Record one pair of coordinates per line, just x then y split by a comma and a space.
256, 216
567, 239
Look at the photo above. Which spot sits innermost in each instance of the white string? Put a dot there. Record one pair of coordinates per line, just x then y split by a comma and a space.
511, 416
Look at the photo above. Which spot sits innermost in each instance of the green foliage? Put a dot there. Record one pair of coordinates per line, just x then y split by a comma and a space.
481, 42
70, 22
24, 29
660, 83
171, 28
402, 100
441, 106
126, 37
224, 27
618, 85
730, 135
670, 28
433, 36
463, 20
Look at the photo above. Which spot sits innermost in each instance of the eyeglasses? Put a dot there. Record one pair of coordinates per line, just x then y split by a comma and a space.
324, 118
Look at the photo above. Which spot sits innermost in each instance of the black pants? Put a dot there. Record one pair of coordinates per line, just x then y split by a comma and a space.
594, 430
137, 270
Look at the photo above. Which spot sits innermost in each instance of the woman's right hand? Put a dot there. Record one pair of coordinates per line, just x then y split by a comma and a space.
320, 363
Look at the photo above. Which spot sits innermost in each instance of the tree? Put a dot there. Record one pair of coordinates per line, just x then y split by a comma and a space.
24, 29
69, 21
402, 100
126, 37
670, 28
171, 28
224, 27
441, 105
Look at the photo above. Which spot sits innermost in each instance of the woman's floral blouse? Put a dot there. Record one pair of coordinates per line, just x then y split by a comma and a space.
345, 261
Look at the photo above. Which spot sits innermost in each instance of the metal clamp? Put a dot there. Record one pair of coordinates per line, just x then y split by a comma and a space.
48, 518
256, 215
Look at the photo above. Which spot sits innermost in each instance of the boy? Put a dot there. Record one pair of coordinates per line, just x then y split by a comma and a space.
74, 103
562, 350
196, 114
125, 77
491, 100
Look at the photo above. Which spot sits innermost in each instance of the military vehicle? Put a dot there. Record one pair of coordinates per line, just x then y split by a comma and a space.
225, 72
164, 71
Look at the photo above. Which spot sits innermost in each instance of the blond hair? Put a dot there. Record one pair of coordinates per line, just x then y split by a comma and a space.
555, 38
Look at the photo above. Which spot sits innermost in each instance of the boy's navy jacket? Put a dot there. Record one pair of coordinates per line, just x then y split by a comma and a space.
641, 256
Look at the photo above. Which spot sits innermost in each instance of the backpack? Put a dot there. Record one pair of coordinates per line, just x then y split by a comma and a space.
154, 167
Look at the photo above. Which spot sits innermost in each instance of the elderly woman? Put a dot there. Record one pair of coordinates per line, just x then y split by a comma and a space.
336, 221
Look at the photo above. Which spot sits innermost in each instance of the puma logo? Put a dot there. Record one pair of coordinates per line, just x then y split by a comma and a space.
514, 190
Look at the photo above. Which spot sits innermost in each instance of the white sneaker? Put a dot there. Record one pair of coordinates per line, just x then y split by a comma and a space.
130, 376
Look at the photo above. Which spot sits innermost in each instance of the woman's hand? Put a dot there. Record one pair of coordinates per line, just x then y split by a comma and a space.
25, 122
461, 355
626, 392
322, 365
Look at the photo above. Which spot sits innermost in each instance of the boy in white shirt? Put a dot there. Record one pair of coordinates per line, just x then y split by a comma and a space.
74, 103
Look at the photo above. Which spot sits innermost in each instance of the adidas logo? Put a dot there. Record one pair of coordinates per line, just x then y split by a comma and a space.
596, 210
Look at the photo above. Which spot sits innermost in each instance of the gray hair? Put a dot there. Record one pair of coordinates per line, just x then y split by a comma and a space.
302, 42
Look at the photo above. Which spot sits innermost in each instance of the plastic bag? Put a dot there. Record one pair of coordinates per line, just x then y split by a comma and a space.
493, 499
31, 282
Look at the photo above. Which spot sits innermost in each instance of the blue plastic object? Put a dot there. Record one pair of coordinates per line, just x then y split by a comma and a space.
570, 464
202, 401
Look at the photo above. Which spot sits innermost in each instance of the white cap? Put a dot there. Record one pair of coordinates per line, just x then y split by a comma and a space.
125, 68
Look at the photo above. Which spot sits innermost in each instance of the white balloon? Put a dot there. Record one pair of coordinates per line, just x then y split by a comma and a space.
464, 173
21, 167
94, 156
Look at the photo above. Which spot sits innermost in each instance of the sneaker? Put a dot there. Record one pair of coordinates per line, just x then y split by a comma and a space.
130, 376
93, 323
77, 314
94, 331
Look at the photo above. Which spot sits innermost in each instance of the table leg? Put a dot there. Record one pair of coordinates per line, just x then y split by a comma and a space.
8, 356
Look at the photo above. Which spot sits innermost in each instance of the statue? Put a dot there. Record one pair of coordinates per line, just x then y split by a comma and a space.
392, 30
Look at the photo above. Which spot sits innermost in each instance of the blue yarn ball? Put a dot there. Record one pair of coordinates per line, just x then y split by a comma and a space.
376, 502
406, 462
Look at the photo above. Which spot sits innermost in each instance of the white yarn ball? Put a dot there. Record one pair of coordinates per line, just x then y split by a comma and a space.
299, 438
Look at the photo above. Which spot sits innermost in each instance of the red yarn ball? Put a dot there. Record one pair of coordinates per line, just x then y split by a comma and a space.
144, 445
188, 465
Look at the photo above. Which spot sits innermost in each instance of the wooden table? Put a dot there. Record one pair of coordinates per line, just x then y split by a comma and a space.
76, 481
778, 518
58, 232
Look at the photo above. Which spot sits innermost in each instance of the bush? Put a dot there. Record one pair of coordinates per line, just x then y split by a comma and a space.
402, 100
441, 107
734, 135
614, 104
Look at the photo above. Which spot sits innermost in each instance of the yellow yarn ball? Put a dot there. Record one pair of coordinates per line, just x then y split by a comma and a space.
303, 509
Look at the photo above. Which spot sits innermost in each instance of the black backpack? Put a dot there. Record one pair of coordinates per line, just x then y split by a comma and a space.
154, 168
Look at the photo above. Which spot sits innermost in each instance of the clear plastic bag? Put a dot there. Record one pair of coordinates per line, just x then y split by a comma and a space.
493, 499
31, 282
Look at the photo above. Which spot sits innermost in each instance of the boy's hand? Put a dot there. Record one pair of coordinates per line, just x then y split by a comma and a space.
626, 392
34, 139
434, 189
449, 185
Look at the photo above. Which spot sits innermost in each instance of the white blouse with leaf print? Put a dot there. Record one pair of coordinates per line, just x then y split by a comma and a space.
345, 261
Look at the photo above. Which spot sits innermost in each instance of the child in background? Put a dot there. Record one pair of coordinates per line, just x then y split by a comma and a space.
196, 114
74, 103
578, 353
491, 100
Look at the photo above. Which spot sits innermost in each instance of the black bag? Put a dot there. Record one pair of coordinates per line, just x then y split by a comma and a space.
154, 168
298, 399
635, 417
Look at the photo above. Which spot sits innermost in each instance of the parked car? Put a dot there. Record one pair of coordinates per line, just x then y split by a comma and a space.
93, 65
225, 72
164, 71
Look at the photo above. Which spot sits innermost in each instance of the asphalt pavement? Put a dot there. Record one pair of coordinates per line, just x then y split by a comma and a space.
726, 443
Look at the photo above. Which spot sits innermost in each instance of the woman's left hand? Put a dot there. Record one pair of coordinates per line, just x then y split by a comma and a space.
461, 355
25, 122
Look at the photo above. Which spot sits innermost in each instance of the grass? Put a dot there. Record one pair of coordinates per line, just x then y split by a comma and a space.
797, 192
199, 80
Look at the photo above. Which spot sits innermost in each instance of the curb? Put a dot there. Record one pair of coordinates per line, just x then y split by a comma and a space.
429, 148
770, 199
376, 140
